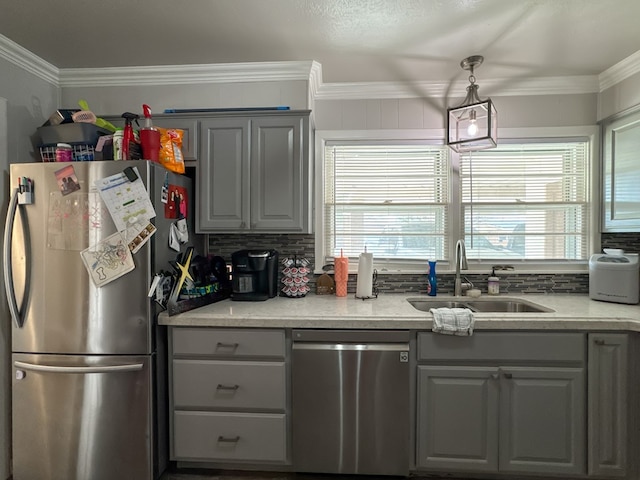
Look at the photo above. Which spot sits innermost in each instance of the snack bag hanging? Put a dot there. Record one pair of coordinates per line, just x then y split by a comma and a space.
170, 155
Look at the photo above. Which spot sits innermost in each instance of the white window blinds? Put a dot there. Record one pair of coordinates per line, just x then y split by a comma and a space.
528, 202
391, 199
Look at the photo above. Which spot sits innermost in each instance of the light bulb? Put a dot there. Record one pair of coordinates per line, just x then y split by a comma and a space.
472, 129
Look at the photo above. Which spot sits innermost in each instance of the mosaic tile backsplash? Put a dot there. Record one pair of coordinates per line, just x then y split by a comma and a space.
303, 246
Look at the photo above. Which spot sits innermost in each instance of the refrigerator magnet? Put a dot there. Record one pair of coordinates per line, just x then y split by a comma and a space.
164, 193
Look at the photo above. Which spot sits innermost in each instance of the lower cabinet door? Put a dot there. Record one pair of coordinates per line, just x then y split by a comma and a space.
542, 420
609, 404
228, 437
457, 418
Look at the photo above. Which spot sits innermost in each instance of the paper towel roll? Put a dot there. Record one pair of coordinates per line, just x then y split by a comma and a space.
364, 286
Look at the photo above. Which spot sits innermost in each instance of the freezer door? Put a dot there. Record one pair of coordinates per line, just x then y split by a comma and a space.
82, 418
61, 309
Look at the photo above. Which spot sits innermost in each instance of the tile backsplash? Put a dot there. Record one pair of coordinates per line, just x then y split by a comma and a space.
303, 246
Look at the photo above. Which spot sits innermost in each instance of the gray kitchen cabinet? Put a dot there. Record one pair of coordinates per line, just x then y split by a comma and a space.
457, 418
608, 400
501, 402
228, 396
255, 174
190, 129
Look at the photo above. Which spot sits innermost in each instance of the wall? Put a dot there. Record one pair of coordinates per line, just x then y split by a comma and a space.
410, 113
620, 97
25, 103
114, 100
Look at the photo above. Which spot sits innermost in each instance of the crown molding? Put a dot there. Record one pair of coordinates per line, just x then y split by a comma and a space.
185, 74
500, 87
620, 71
23, 58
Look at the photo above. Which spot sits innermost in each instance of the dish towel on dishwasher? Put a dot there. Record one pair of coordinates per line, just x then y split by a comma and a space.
452, 321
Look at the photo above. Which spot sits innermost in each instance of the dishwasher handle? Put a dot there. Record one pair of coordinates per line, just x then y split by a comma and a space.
364, 347
351, 336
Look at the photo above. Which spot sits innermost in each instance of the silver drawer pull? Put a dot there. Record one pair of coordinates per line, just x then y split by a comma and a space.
227, 387
222, 439
508, 375
599, 342
230, 346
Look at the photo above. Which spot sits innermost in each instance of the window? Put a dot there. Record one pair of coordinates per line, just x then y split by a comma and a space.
392, 200
524, 203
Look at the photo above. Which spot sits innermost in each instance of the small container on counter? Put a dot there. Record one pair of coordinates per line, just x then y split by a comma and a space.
341, 274
493, 283
432, 281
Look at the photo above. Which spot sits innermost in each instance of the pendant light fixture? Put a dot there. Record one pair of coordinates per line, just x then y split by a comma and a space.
472, 125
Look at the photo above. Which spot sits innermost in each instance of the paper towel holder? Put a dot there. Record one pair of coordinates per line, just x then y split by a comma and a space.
374, 289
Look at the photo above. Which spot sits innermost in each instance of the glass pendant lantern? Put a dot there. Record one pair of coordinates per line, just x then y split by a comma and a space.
472, 125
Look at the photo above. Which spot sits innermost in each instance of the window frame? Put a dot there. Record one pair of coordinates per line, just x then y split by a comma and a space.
436, 136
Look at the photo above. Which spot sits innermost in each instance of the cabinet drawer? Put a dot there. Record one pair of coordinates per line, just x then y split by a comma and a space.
228, 384
228, 343
503, 347
229, 436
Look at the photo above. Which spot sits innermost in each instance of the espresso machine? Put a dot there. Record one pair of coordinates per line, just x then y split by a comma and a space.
254, 275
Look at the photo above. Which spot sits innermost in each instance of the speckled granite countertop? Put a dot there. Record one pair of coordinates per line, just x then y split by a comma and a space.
571, 312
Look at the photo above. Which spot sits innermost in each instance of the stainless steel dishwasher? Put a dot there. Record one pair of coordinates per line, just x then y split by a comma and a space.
350, 401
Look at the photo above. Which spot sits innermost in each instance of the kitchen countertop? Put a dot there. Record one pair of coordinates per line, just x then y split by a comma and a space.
392, 311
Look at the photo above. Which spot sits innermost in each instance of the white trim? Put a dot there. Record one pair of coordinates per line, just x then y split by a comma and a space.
502, 87
186, 74
23, 58
620, 71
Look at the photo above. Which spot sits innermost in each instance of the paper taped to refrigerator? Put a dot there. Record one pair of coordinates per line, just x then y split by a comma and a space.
128, 201
108, 260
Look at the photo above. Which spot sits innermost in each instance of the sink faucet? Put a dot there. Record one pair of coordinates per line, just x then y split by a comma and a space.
461, 264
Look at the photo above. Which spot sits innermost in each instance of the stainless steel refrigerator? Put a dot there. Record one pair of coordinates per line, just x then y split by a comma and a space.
89, 368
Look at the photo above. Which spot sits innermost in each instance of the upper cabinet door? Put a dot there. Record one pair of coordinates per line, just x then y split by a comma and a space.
223, 187
189, 127
279, 172
621, 173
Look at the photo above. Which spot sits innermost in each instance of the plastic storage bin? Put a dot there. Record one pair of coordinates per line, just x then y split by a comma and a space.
80, 133
79, 153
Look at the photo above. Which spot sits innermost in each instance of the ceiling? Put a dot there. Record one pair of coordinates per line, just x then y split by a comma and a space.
353, 40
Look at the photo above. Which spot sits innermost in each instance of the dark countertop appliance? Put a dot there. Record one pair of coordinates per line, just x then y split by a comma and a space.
255, 275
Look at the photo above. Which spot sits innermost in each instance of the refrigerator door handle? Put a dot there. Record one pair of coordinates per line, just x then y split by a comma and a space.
131, 367
6, 259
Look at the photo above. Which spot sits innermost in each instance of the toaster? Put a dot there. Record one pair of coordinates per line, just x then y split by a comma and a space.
614, 278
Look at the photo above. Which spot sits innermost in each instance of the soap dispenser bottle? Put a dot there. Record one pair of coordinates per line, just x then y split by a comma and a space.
432, 284
493, 283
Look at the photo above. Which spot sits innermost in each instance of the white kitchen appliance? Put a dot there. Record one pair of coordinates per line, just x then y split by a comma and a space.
614, 277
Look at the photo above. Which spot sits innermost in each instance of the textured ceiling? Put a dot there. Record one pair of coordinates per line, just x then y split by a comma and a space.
354, 40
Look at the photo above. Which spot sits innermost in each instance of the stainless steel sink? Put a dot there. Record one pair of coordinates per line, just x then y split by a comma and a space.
480, 305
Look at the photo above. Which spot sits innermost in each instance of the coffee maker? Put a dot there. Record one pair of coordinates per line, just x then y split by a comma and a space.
254, 275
